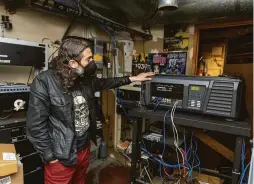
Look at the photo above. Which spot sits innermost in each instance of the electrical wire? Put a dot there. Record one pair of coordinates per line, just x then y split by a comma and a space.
242, 155
118, 90
51, 56
148, 176
176, 143
112, 37
196, 160
141, 172
6, 117
119, 100
244, 172
29, 75
185, 154
176, 137
90, 32
69, 27
159, 100
97, 15
242, 161
158, 160
164, 132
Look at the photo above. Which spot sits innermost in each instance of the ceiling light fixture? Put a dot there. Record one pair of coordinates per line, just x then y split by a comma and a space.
170, 5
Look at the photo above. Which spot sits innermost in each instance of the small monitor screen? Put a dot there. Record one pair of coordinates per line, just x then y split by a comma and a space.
170, 91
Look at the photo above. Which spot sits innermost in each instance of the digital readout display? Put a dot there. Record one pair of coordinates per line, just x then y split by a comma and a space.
195, 88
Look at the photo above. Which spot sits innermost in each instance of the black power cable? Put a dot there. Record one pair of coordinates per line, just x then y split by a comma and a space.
69, 27
29, 75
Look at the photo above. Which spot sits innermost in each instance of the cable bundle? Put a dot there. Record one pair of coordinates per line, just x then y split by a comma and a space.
243, 178
195, 162
186, 155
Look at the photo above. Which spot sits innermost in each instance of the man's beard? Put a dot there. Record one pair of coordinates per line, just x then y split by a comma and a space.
79, 71
89, 70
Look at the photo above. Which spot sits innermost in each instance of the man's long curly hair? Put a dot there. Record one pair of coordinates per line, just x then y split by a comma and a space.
70, 49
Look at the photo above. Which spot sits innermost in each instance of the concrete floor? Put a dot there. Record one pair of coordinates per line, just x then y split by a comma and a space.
119, 157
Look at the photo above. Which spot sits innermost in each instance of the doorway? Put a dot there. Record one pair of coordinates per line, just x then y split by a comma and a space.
219, 47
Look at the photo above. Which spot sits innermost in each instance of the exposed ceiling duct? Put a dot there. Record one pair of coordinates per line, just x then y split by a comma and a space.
134, 9
146, 11
206, 10
188, 10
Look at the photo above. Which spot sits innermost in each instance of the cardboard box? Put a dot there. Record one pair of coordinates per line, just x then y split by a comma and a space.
16, 178
206, 179
8, 160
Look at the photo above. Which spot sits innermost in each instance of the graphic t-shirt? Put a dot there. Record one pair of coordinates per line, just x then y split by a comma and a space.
82, 120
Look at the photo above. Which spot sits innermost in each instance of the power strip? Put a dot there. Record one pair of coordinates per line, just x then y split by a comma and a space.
14, 89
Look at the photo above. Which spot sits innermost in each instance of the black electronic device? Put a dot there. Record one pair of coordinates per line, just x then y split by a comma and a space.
22, 53
219, 96
129, 98
13, 98
157, 128
14, 132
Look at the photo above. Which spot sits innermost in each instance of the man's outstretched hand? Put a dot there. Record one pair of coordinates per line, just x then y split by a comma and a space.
142, 77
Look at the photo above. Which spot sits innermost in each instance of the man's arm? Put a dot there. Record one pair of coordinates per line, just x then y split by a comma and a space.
37, 120
100, 84
115, 82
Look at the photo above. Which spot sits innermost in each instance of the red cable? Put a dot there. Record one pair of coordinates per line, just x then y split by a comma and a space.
184, 168
164, 169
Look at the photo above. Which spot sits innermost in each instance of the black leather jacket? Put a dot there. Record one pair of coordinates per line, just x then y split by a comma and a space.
50, 115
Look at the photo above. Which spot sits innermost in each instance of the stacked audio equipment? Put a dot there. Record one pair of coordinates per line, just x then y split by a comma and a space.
14, 98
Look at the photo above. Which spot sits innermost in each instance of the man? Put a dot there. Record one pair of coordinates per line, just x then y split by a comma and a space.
61, 117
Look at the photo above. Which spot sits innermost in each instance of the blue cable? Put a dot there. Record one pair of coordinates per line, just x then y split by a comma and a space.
242, 154
196, 159
243, 173
186, 152
186, 160
243, 159
120, 102
196, 149
162, 163
164, 132
112, 37
158, 103
125, 112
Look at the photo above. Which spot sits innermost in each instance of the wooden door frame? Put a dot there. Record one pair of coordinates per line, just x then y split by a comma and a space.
200, 27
